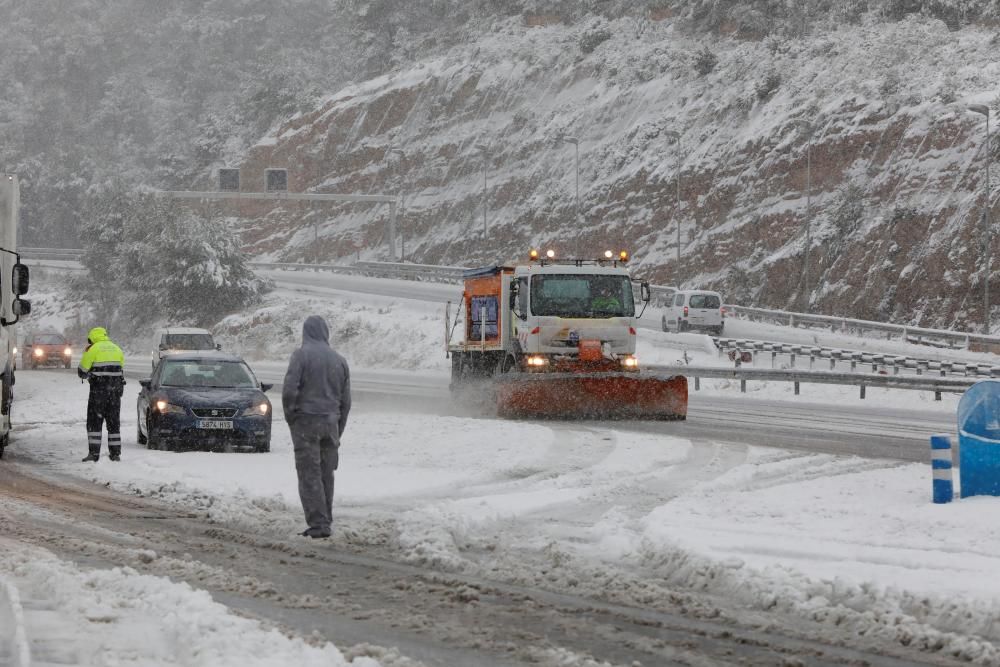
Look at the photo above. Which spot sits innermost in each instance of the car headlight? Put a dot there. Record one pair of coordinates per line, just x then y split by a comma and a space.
68, 351
39, 352
166, 408
256, 410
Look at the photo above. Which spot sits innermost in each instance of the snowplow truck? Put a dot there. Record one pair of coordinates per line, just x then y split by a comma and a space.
556, 339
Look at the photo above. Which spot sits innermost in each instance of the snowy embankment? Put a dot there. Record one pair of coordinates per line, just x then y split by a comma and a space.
66, 614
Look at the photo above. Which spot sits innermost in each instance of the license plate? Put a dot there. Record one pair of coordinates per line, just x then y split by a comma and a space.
216, 424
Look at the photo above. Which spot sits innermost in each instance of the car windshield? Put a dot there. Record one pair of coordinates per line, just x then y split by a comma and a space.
206, 373
49, 339
188, 341
582, 295
704, 301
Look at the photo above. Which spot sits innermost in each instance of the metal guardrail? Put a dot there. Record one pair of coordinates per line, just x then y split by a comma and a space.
862, 380
291, 266
449, 274
856, 358
919, 335
417, 272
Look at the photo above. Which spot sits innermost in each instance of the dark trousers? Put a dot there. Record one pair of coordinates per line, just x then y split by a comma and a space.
104, 406
316, 444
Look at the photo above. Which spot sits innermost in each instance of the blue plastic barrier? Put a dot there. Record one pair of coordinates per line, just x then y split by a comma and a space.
979, 439
941, 469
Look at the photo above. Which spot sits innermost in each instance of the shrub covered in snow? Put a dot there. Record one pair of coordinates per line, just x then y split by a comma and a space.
150, 259
705, 61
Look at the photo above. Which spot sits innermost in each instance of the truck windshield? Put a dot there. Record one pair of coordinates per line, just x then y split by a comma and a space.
582, 295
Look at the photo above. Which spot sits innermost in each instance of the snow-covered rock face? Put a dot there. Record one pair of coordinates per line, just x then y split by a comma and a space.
896, 166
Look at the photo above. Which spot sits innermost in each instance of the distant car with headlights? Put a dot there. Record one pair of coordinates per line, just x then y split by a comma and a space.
206, 401
47, 349
181, 339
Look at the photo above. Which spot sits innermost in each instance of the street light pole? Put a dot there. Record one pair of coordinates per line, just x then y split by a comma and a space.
483, 148
805, 254
671, 134
987, 240
399, 194
576, 163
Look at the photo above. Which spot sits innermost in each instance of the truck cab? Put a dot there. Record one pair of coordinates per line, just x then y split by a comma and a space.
568, 313
549, 315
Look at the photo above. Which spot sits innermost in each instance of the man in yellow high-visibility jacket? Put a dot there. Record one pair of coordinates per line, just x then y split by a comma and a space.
103, 365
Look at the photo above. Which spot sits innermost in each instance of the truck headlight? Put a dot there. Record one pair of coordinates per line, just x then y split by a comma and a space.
163, 407
68, 351
257, 410
38, 352
630, 362
537, 361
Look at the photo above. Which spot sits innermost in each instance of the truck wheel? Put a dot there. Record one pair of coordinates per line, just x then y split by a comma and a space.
682, 325
7, 396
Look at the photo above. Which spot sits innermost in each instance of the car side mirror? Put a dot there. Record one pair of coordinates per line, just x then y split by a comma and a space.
145, 384
266, 386
162, 347
20, 280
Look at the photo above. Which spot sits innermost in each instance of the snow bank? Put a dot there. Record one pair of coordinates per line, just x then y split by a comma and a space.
121, 617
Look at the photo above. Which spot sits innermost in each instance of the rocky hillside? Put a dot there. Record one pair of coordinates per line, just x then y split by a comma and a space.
856, 133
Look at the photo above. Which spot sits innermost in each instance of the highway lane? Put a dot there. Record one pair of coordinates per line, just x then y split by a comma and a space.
867, 431
870, 431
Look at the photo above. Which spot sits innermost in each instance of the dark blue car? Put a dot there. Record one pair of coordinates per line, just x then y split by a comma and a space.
204, 400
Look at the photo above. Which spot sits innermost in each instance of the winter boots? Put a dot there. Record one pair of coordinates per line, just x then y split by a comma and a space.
115, 455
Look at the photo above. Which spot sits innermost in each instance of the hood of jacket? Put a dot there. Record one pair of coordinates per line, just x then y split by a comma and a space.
97, 334
314, 330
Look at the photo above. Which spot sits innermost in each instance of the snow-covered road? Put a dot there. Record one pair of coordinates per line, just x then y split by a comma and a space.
490, 515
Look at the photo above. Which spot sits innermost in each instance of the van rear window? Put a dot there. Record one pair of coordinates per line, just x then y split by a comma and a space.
704, 301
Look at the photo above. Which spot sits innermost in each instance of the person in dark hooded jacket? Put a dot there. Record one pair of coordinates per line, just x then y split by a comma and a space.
316, 397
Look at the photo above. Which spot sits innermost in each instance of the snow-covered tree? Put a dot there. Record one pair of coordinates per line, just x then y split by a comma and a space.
151, 259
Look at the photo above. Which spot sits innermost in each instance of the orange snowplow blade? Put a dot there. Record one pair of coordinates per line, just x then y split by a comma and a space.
611, 395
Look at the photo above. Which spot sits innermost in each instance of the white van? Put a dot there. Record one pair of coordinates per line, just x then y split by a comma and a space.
181, 339
695, 309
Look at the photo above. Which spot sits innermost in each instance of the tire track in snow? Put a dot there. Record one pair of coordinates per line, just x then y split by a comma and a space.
356, 593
